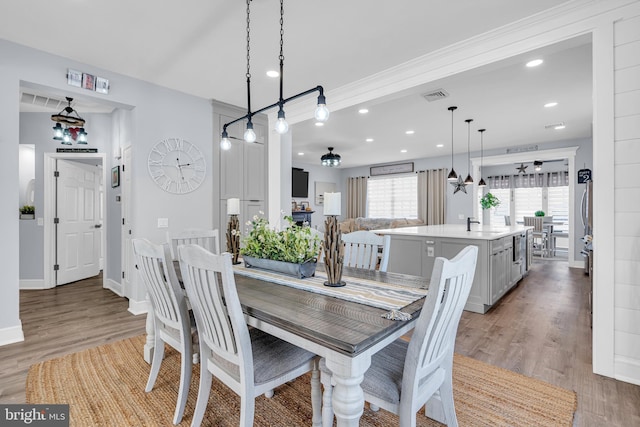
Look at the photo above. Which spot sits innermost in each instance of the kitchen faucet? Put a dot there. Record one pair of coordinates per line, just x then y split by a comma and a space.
469, 222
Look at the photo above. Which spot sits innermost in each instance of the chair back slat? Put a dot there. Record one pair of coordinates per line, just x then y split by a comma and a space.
208, 239
433, 338
361, 250
534, 221
210, 286
159, 277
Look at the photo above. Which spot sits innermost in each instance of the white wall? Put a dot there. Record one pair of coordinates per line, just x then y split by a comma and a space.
158, 113
627, 199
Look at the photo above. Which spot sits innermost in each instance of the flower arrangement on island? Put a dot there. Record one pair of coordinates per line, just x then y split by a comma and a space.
294, 244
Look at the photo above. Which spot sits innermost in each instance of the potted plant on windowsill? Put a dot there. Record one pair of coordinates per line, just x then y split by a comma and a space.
293, 250
27, 212
489, 201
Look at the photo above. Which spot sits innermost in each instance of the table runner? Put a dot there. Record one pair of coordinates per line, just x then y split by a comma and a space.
363, 291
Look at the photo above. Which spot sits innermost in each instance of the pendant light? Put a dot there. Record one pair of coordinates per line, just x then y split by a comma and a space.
453, 176
73, 126
321, 113
481, 183
468, 180
330, 159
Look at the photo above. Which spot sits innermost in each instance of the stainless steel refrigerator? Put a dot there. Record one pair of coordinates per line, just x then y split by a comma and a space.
587, 223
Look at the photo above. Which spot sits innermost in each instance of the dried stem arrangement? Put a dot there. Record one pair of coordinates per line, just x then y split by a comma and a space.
333, 252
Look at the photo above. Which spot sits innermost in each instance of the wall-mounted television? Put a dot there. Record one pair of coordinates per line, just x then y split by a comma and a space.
299, 183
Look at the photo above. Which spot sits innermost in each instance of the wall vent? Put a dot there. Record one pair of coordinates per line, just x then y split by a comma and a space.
43, 101
522, 149
435, 95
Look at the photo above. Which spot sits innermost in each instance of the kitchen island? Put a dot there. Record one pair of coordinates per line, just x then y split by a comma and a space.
502, 255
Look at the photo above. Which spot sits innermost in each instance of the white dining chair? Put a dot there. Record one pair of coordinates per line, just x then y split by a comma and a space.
172, 323
362, 250
404, 376
208, 239
250, 362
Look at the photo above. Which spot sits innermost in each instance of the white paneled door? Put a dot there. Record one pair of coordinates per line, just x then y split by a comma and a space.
79, 227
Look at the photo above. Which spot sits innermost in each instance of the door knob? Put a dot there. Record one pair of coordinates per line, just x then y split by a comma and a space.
98, 226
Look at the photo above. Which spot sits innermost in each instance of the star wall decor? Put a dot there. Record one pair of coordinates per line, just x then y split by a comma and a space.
459, 185
522, 168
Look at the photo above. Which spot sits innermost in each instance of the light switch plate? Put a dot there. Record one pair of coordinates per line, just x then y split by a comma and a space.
460, 216
163, 222
430, 251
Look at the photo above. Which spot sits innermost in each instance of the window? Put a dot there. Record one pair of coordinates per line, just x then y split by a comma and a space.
395, 197
527, 201
498, 213
558, 205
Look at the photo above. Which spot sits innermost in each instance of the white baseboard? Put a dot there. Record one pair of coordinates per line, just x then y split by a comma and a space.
114, 287
138, 307
627, 370
32, 284
11, 335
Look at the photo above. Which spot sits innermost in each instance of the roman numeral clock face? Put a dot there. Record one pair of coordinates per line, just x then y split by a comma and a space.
176, 165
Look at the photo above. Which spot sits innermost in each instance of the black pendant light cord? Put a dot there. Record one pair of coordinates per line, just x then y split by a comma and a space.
452, 175
324, 113
248, 75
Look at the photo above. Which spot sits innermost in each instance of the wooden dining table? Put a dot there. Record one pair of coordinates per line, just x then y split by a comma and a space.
345, 333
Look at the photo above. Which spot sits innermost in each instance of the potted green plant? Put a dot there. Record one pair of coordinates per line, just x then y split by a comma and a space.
539, 213
27, 212
293, 250
489, 201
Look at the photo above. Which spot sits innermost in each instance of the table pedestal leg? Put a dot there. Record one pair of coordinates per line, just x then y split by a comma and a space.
348, 397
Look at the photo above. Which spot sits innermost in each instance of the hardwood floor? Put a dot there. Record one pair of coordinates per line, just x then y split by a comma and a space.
63, 320
540, 329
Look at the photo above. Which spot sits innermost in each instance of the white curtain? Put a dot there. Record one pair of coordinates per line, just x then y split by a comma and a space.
432, 190
357, 196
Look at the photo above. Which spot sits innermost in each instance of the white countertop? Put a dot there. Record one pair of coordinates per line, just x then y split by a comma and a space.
456, 231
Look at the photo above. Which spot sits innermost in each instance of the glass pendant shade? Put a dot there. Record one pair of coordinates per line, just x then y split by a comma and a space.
482, 183
82, 136
468, 180
57, 132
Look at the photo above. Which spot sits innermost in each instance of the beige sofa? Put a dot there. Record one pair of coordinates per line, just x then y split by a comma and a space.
355, 224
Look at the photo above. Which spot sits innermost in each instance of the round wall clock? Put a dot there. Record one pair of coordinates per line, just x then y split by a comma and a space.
176, 165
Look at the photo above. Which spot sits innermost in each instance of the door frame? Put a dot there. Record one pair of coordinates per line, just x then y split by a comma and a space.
50, 210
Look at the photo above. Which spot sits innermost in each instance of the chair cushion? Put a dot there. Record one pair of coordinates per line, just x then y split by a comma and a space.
383, 379
272, 357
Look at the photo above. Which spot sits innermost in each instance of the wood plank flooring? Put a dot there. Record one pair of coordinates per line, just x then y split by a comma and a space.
540, 329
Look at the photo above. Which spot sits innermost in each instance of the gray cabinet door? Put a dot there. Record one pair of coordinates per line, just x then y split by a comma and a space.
254, 172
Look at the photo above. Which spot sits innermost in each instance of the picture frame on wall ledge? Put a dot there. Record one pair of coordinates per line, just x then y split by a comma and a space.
102, 85
294, 206
88, 81
74, 78
304, 206
115, 176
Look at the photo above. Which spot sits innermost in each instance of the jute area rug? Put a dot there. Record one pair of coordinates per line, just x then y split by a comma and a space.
104, 386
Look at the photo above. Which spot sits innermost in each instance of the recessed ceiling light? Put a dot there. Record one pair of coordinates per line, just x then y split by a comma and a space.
534, 63
410, 132
300, 154
369, 140
273, 74
319, 124
440, 145
403, 151
559, 127
550, 104
363, 111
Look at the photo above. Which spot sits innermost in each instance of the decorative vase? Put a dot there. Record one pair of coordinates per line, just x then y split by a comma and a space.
305, 269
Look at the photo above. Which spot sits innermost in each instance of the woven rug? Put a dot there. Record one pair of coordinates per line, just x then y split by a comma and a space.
104, 386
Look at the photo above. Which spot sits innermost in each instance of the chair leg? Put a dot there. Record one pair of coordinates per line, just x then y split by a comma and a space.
185, 381
446, 397
158, 355
247, 409
204, 388
374, 408
327, 406
316, 395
